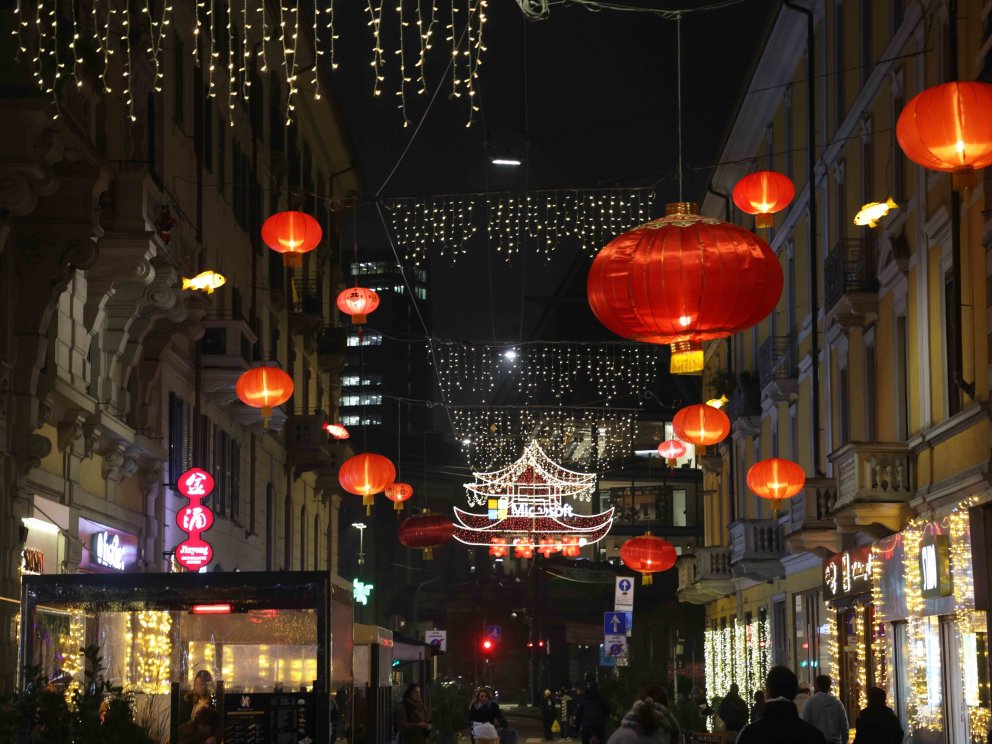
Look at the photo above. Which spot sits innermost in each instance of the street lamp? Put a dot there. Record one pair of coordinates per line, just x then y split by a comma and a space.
360, 526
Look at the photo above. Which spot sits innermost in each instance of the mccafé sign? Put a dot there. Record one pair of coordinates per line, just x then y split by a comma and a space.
195, 518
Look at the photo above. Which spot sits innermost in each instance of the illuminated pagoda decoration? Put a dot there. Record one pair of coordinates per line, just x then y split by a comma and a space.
528, 506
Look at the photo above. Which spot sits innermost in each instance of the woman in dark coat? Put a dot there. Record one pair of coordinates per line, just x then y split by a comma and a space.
485, 710
877, 724
411, 717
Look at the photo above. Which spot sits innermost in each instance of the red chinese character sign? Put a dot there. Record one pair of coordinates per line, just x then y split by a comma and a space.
194, 553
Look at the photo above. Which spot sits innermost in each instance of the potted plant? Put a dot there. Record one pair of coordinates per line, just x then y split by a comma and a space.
449, 709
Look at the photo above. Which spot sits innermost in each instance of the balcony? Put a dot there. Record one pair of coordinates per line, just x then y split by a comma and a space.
306, 306
808, 525
744, 408
308, 447
756, 549
777, 368
226, 351
850, 283
874, 487
705, 576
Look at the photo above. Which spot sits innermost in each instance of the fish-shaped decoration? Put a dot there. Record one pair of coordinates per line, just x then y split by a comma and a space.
872, 212
206, 281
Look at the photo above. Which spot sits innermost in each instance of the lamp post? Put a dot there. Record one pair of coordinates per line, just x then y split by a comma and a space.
360, 526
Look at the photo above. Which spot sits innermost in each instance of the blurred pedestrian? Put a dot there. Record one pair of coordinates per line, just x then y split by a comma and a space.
412, 720
877, 724
826, 712
548, 715
780, 723
591, 715
485, 710
564, 711
802, 697
649, 721
733, 709
758, 709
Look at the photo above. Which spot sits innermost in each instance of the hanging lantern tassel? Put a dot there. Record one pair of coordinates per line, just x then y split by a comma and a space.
647, 579
368, 501
687, 358
428, 554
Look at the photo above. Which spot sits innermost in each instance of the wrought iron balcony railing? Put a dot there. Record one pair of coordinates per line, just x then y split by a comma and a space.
849, 269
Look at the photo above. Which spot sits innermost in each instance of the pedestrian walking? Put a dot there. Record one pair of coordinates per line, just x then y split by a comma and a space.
548, 715
826, 712
591, 715
733, 710
877, 724
412, 724
649, 721
802, 697
780, 723
758, 709
564, 709
484, 710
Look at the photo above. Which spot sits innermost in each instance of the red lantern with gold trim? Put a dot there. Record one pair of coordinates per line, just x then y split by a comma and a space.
426, 531
358, 302
649, 555
682, 280
701, 425
949, 128
292, 234
264, 388
763, 194
776, 479
366, 475
671, 450
398, 493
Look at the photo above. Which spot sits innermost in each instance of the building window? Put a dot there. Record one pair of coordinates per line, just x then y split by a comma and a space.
353, 420
840, 206
303, 538
361, 400
902, 387
952, 337
789, 133
180, 437
270, 525
867, 164
316, 542
235, 481
896, 156
871, 424
843, 414
420, 292
287, 547
369, 268
369, 339
840, 104
866, 32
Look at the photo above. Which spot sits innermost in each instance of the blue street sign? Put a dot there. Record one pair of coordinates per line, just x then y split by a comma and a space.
495, 632
614, 623
624, 585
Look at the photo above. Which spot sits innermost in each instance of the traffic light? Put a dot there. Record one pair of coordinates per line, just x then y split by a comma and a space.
488, 648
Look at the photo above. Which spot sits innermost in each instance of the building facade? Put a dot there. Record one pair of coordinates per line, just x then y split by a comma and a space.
872, 373
113, 378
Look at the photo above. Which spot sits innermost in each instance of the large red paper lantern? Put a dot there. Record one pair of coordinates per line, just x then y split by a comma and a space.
763, 194
292, 234
701, 425
426, 531
366, 475
949, 128
264, 388
671, 450
776, 479
649, 555
684, 279
398, 493
358, 302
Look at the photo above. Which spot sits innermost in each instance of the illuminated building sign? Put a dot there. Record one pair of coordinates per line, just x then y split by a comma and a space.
847, 574
194, 553
361, 591
502, 507
106, 549
32, 561
935, 567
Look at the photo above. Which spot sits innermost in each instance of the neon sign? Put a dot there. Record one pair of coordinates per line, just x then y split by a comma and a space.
194, 553
847, 574
106, 550
361, 591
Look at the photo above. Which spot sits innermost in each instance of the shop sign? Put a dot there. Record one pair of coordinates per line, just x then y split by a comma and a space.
105, 549
32, 561
194, 553
935, 567
847, 574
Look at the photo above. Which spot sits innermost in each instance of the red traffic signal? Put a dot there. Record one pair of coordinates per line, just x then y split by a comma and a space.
487, 645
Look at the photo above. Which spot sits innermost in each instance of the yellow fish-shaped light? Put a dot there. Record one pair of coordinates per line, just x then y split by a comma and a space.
206, 281
872, 212
718, 402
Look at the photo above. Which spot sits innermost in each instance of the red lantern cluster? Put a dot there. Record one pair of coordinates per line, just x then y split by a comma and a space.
763, 194
684, 279
366, 475
776, 479
426, 531
264, 388
701, 425
398, 493
649, 555
358, 302
500, 548
292, 234
671, 450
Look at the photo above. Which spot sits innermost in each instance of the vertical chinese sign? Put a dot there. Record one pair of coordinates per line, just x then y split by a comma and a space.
195, 518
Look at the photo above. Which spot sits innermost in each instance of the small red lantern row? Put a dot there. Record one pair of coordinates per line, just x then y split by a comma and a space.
649, 555
292, 234
366, 475
398, 493
264, 388
701, 425
426, 531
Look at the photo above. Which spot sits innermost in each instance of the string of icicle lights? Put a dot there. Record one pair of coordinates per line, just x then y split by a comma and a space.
451, 224
119, 43
547, 371
586, 439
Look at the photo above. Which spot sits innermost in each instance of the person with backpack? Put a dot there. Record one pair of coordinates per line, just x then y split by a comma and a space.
591, 715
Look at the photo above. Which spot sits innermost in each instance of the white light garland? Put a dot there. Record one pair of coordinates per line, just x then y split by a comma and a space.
738, 653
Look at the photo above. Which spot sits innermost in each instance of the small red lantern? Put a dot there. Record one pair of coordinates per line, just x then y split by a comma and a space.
649, 555
684, 279
548, 546
336, 431
264, 388
776, 479
671, 450
763, 194
701, 425
398, 493
523, 551
358, 302
292, 234
366, 475
949, 128
499, 548
571, 548
426, 531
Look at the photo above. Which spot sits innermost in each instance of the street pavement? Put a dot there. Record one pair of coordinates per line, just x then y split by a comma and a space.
527, 722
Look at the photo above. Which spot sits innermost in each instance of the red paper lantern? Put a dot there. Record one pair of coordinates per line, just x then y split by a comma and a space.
649, 555
398, 493
522, 550
776, 479
684, 279
949, 128
671, 450
264, 388
366, 475
336, 431
358, 302
499, 548
426, 531
763, 194
292, 234
701, 425
571, 548
548, 546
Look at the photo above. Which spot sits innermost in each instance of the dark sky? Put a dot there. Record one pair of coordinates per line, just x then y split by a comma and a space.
588, 96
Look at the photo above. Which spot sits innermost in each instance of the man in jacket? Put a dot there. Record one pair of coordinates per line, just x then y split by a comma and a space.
826, 712
780, 723
733, 710
878, 724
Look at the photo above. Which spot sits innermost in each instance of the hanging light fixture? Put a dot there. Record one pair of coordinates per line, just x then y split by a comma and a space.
763, 194
358, 302
426, 531
398, 493
701, 425
292, 234
366, 475
671, 450
500, 548
648, 555
264, 388
776, 479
